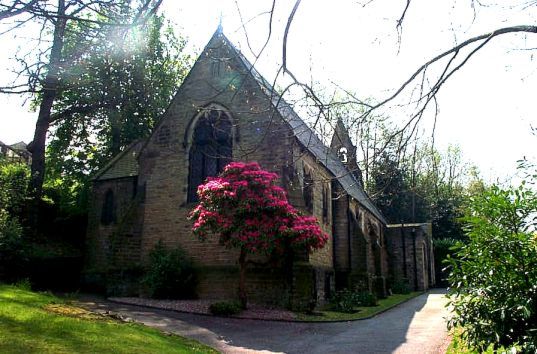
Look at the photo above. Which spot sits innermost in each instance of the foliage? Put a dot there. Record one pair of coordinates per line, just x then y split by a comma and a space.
460, 346
494, 275
245, 208
347, 300
42, 323
225, 308
362, 312
14, 179
170, 274
400, 286
248, 211
109, 97
343, 301
442, 248
427, 185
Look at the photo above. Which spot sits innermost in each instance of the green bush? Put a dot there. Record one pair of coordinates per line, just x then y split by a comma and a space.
170, 274
13, 249
493, 278
400, 286
343, 301
225, 308
346, 300
442, 248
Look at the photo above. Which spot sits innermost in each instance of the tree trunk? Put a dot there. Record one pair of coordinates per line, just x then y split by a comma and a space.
50, 89
242, 278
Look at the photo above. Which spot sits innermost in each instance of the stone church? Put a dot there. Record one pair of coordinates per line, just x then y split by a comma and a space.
225, 110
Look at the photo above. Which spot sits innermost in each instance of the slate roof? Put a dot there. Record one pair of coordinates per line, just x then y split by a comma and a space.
21, 145
310, 140
124, 164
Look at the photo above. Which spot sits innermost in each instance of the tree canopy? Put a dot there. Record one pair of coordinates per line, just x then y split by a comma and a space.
246, 210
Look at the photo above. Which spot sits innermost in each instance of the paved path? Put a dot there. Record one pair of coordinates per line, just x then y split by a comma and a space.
417, 326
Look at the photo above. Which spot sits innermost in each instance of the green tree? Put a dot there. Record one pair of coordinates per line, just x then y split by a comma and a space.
494, 275
14, 179
245, 209
111, 96
57, 20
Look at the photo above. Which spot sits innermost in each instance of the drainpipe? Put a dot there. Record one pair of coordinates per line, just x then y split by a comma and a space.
403, 242
415, 259
349, 234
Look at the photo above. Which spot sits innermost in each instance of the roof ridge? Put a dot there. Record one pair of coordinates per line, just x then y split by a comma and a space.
312, 142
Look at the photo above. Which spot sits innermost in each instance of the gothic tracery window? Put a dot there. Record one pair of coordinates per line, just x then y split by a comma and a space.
211, 149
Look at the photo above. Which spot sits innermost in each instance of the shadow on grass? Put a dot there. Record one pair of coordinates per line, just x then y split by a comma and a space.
26, 327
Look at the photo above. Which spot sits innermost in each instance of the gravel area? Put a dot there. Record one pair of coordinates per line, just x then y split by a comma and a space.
254, 311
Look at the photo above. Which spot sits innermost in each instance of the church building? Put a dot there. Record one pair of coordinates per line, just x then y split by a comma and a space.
226, 111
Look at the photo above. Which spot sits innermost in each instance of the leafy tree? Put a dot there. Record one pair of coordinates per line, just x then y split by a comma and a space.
248, 211
494, 274
112, 96
84, 20
14, 179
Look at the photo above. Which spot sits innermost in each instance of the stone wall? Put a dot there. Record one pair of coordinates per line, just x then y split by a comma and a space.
113, 249
411, 254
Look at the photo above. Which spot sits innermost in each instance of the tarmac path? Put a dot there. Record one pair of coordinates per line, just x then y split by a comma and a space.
417, 326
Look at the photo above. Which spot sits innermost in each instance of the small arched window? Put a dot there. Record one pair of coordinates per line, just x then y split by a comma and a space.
307, 191
108, 213
211, 149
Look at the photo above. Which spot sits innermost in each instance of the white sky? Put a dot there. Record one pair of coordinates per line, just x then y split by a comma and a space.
486, 108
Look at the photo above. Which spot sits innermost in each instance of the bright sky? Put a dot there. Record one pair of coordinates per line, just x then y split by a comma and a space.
486, 108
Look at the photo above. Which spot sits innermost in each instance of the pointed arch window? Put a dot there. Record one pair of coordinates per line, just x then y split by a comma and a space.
108, 213
307, 191
211, 149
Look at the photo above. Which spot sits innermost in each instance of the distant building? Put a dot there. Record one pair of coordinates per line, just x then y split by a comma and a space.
17, 152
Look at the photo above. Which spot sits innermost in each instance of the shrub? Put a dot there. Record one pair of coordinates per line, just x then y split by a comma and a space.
494, 275
365, 298
170, 274
246, 210
343, 301
225, 308
24, 284
400, 286
346, 300
13, 249
442, 248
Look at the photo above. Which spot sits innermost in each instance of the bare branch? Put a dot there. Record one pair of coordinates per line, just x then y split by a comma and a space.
16, 8
287, 27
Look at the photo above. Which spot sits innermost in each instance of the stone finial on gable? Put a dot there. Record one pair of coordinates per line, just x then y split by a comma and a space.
220, 29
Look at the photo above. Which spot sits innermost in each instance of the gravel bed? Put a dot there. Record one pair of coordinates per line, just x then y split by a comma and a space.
254, 311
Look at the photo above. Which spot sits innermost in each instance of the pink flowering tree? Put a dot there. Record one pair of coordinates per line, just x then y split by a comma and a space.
246, 210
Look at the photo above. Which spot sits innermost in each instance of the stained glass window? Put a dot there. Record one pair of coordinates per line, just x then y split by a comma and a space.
211, 149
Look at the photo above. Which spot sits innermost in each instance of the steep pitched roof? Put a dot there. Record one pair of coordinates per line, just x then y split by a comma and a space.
341, 135
308, 138
124, 164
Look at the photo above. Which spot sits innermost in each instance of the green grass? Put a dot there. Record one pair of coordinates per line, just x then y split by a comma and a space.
361, 312
41, 323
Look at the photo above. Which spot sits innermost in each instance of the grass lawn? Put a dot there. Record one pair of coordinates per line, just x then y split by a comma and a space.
41, 323
361, 312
